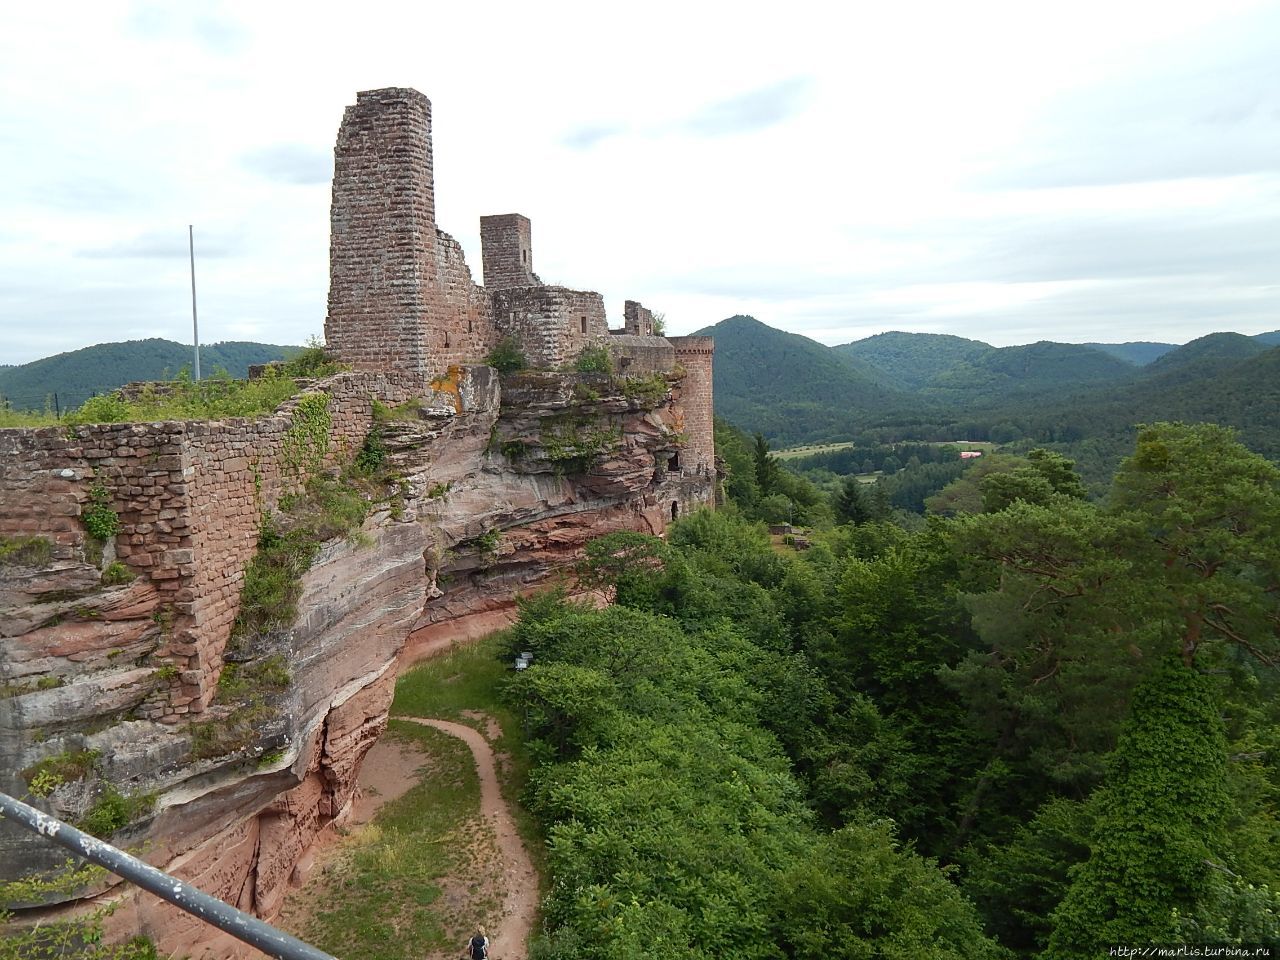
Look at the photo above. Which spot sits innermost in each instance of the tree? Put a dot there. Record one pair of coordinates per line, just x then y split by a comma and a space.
851, 505
1160, 817
766, 465
1209, 510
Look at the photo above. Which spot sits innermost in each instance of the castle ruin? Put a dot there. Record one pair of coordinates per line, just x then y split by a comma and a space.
113, 645
401, 297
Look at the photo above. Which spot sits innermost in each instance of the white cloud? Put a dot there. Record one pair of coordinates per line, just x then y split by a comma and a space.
995, 170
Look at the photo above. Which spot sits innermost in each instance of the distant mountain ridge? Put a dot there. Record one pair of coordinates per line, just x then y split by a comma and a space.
786, 385
79, 374
913, 385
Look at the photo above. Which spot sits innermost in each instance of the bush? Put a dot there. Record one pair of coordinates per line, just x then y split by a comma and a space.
507, 356
594, 359
98, 518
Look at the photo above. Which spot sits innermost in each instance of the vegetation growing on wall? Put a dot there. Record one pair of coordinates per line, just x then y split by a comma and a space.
508, 356
32, 551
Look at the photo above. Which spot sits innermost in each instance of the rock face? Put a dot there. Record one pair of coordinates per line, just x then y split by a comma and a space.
147, 686
498, 484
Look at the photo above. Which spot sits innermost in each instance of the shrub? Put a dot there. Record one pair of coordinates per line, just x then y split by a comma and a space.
101, 522
116, 574
595, 359
113, 811
507, 356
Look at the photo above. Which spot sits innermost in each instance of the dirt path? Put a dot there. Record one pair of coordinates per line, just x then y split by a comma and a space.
513, 868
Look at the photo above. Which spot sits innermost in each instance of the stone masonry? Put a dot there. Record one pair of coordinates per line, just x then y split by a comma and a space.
507, 250
398, 301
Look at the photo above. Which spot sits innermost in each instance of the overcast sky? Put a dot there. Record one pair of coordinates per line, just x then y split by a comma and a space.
1007, 172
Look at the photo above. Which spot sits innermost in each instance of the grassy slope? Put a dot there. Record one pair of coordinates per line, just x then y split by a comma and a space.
400, 889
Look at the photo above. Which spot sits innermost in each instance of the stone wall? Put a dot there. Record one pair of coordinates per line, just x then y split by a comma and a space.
552, 324
464, 331
382, 247
695, 355
637, 319
506, 247
635, 356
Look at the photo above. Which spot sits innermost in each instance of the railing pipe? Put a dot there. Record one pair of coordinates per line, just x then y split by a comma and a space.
211, 910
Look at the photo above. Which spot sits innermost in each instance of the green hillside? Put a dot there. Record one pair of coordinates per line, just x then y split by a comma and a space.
1271, 339
79, 374
910, 360
1027, 372
1206, 355
1138, 352
793, 389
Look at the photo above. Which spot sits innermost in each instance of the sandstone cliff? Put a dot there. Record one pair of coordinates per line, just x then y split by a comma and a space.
126, 701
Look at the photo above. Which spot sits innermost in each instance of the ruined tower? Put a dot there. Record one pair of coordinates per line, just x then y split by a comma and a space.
694, 354
507, 251
382, 244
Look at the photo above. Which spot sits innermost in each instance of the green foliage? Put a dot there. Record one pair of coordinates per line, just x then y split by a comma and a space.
508, 356
1045, 476
80, 937
647, 391
287, 544
673, 821
33, 551
372, 454
861, 897
116, 573
64, 767
309, 363
1160, 820
112, 811
99, 519
252, 681
307, 440
216, 397
594, 359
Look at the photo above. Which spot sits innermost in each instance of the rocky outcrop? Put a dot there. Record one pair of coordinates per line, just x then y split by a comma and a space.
490, 489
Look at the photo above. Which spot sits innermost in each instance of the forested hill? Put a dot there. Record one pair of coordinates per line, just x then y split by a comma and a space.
79, 374
1207, 355
1027, 372
791, 387
911, 360
1137, 352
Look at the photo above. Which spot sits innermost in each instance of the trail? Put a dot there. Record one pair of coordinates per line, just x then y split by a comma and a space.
518, 881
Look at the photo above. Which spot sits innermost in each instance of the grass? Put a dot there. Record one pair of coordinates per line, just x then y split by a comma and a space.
403, 888
384, 899
25, 551
469, 679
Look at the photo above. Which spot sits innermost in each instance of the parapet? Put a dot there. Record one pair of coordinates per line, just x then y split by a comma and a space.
693, 345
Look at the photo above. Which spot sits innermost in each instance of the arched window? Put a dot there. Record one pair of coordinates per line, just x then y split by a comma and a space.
675, 510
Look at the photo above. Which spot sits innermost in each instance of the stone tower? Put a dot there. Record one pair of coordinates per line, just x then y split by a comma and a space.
695, 355
507, 251
382, 243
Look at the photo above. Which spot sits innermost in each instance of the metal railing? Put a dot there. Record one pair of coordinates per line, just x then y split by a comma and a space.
199, 904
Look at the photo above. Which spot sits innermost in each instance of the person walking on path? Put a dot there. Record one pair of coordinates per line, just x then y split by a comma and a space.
477, 946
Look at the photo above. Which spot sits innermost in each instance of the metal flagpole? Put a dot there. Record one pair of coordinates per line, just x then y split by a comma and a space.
195, 328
